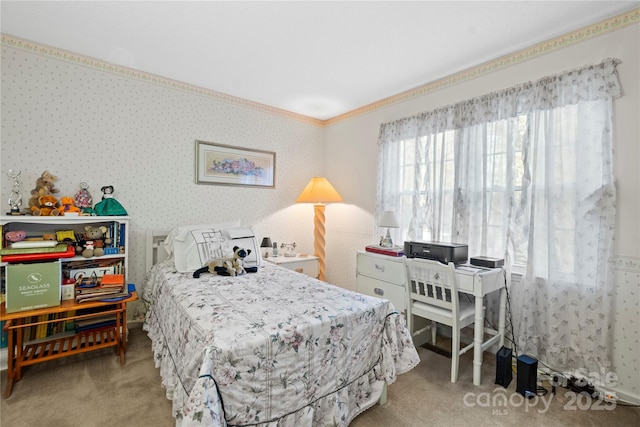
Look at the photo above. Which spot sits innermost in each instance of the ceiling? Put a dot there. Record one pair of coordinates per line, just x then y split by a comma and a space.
319, 59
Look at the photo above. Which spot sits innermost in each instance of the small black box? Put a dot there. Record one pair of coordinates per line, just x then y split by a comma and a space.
527, 376
488, 262
504, 374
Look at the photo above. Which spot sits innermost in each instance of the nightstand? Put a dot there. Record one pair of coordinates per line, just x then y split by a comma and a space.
302, 264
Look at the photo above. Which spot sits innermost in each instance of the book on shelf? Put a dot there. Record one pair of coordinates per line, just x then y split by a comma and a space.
389, 251
105, 294
95, 322
42, 327
40, 254
89, 272
69, 324
112, 281
36, 243
94, 290
27, 333
56, 247
4, 336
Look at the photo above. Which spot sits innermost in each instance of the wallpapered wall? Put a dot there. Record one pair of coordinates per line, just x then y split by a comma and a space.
85, 124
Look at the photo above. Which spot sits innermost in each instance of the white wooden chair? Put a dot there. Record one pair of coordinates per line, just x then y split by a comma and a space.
433, 295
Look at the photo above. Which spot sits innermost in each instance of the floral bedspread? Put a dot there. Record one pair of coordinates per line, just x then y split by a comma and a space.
272, 348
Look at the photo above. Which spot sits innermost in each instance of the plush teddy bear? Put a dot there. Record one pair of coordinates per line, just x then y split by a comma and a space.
95, 239
68, 205
47, 206
234, 266
45, 186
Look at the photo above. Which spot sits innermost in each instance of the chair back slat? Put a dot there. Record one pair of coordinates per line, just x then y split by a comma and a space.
432, 294
432, 283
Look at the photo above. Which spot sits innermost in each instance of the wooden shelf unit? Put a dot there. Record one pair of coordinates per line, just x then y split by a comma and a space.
21, 353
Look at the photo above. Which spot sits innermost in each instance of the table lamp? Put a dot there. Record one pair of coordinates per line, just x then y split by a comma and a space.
390, 220
265, 245
319, 192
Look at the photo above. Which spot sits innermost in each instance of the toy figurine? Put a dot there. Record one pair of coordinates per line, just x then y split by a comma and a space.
108, 205
83, 199
15, 200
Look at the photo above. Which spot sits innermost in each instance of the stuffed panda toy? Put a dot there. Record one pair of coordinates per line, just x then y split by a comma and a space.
234, 266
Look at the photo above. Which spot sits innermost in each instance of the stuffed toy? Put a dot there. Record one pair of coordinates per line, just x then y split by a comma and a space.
45, 186
234, 266
47, 206
83, 199
108, 205
14, 236
95, 239
68, 205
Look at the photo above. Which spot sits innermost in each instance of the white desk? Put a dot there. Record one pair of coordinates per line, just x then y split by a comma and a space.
479, 282
383, 276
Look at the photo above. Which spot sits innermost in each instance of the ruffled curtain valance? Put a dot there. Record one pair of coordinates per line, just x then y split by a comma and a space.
588, 83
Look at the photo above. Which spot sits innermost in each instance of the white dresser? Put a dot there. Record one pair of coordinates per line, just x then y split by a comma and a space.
381, 276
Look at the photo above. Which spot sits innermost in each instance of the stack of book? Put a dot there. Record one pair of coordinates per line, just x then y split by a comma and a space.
105, 287
36, 250
95, 322
389, 251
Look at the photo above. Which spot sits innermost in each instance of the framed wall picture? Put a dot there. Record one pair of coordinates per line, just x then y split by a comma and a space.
226, 165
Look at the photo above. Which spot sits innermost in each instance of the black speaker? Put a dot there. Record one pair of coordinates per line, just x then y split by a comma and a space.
504, 374
527, 376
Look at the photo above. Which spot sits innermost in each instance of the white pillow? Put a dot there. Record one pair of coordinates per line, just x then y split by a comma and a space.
245, 238
194, 246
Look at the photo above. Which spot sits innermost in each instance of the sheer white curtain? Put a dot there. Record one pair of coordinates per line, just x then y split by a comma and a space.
524, 174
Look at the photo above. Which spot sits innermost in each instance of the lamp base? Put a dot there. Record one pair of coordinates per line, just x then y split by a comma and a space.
386, 241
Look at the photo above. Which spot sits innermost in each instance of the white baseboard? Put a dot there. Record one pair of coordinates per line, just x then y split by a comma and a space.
626, 397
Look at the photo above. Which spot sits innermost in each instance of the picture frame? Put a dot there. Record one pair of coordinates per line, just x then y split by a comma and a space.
220, 164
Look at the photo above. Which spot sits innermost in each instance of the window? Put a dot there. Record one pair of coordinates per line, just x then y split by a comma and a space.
428, 177
526, 174
481, 172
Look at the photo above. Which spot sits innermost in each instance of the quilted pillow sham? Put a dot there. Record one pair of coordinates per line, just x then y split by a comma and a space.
194, 246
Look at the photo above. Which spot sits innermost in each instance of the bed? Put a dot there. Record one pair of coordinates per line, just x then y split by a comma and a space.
271, 348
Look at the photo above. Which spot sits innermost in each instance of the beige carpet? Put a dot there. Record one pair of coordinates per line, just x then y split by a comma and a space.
93, 390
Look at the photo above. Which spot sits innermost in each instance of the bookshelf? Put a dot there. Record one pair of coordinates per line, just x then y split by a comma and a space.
24, 346
115, 253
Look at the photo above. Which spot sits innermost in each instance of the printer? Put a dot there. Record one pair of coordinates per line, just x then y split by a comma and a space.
439, 251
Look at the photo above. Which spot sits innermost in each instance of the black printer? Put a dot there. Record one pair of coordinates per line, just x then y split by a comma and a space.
439, 251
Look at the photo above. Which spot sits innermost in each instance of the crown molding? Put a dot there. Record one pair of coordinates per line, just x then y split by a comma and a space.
522, 55
96, 64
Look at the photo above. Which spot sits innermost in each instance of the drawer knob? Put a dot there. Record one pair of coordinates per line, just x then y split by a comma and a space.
378, 291
379, 267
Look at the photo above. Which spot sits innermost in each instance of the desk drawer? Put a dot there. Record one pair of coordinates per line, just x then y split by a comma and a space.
382, 268
376, 288
477, 281
465, 282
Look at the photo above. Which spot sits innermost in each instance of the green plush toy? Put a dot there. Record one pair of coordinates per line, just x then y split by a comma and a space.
109, 206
